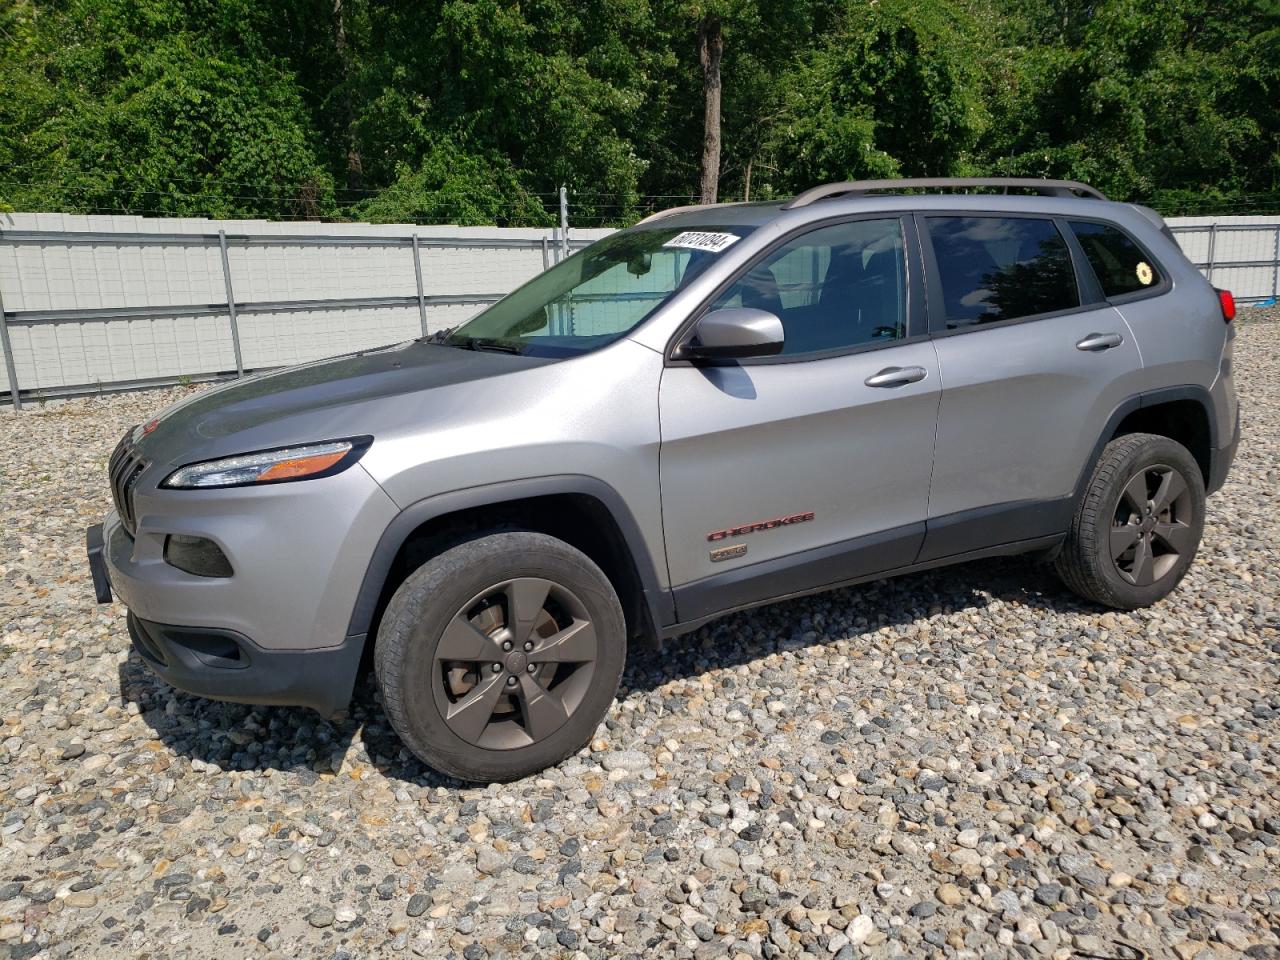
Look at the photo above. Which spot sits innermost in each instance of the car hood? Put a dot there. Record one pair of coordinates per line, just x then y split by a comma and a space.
345, 396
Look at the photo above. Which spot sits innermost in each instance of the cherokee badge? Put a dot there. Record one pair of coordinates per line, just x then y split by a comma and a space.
772, 524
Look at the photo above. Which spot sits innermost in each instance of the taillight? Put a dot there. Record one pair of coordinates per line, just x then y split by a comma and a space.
1228, 304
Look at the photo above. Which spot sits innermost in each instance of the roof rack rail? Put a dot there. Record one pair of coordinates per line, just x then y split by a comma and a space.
1045, 188
670, 210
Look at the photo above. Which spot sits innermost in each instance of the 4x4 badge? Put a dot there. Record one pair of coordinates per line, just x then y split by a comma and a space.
731, 552
746, 528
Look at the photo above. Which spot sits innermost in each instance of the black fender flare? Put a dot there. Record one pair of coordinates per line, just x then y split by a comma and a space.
1150, 398
657, 599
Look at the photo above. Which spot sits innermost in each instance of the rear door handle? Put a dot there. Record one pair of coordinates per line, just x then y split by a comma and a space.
1100, 341
896, 376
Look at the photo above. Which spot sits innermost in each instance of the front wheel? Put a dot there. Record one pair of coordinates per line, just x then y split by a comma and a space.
500, 656
1137, 528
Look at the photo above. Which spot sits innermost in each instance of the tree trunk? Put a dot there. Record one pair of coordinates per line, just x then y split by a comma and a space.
355, 166
710, 49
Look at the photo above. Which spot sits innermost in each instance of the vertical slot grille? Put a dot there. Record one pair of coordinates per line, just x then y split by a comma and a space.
124, 468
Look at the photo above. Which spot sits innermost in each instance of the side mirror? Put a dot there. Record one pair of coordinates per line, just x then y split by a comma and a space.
735, 333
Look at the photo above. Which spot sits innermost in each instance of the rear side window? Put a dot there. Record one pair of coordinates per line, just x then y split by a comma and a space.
1119, 264
1001, 268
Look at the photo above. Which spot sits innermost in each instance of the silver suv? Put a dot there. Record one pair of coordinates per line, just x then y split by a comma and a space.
720, 407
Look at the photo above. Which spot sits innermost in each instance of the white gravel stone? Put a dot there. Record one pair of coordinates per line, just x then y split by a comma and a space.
859, 929
631, 761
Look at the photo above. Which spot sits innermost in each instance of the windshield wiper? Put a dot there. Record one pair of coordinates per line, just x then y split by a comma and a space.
440, 336
447, 338
488, 343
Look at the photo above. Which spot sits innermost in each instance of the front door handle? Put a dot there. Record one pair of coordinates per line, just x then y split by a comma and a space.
1100, 341
896, 376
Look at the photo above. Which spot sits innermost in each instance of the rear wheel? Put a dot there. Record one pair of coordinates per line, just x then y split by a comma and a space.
1138, 526
500, 656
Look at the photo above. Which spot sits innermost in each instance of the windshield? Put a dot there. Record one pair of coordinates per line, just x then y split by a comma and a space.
598, 295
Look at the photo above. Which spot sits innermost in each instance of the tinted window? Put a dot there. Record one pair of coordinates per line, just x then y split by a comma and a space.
1121, 267
997, 268
839, 286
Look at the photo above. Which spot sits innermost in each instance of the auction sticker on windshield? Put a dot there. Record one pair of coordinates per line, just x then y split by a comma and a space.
698, 240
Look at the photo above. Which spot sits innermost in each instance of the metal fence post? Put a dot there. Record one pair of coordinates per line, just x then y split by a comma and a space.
1275, 268
231, 302
1213, 236
10, 367
564, 223
417, 275
546, 263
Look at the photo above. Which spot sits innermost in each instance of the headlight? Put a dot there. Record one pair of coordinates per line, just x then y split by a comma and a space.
271, 466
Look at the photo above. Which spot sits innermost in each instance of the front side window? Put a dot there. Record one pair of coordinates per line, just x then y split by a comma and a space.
597, 296
833, 288
1119, 264
1001, 268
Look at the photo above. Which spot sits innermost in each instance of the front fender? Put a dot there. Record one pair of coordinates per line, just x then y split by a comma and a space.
657, 598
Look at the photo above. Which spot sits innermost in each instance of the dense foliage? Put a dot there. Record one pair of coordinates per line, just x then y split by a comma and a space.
474, 111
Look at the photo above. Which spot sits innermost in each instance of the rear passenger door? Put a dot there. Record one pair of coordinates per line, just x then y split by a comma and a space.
1032, 362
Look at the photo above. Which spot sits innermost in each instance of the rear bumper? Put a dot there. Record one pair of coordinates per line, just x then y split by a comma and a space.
225, 665
1223, 458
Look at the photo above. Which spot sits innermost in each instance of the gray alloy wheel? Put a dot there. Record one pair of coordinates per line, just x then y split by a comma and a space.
514, 663
1137, 526
500, 655
1151, 529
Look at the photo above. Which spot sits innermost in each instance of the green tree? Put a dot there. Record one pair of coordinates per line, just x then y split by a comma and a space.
895, 89
1162, 103
552, 89
453, 186
135, 105
477, 110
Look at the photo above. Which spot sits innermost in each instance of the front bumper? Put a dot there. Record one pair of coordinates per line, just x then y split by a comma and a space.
297, 552
277, 629
224, 665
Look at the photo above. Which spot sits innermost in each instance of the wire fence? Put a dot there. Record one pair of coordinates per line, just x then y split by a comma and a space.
92, 303
212, 197
91, 194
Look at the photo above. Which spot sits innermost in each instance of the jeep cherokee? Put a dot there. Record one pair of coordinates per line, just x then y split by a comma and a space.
720, 407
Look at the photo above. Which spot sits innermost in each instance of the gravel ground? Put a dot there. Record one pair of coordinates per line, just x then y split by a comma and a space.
963, 763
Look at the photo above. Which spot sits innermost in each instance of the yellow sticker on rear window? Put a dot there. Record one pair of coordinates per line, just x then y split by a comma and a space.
702, 240
1145, 273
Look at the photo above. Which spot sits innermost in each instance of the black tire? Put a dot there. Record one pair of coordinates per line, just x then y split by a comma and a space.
420, 690
1124, 555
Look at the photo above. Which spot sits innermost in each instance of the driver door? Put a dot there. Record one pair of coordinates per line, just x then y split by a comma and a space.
785, 474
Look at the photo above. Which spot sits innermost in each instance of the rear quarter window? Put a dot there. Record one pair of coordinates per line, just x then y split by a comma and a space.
1001, 268
1118, 262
